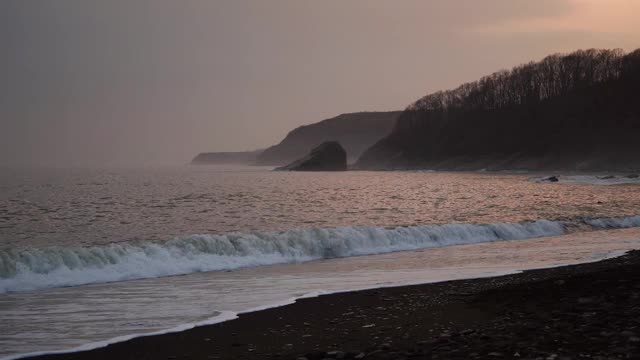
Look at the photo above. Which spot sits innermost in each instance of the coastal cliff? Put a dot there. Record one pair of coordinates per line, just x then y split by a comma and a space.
577, 111
355, 131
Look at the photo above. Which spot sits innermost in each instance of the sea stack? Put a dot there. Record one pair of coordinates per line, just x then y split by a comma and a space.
328, 156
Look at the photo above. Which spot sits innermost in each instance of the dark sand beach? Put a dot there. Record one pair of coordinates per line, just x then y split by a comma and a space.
588, 311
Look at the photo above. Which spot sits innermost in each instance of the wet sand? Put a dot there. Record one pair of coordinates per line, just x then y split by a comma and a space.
573, 312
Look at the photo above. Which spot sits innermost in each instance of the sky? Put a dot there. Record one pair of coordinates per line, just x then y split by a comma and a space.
121, 83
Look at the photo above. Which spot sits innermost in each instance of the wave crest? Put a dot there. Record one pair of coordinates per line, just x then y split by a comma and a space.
40, 268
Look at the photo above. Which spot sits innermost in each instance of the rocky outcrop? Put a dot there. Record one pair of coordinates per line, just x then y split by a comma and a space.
237, 157
355, 131
328, 156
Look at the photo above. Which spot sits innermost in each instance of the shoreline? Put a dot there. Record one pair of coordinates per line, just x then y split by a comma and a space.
407, 321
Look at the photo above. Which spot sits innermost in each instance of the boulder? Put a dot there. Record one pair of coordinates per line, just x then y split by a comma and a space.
550, 179
328, 156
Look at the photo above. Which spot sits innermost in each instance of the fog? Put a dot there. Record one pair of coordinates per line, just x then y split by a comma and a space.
147, 83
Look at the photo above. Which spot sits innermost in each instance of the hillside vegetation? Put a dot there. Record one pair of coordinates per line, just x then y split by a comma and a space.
577, 111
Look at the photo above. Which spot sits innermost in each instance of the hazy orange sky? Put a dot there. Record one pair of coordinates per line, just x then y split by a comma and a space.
131, 82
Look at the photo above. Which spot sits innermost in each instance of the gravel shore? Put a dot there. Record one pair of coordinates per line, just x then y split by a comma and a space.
588, 311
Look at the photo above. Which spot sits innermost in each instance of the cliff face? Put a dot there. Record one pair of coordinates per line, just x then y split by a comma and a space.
356, 132
579, 111
237, 157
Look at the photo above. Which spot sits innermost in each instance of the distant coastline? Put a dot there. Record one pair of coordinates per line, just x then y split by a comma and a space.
568, 112
355, 131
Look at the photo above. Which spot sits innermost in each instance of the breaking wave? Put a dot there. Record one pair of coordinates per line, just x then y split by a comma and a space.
41, 268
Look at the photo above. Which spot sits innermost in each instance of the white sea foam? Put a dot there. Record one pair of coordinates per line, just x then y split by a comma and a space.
41, 268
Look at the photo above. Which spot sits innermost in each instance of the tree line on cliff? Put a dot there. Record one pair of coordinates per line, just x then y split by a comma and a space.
581, 102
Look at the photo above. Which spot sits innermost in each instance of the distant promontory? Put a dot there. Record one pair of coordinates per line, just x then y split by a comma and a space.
354, 131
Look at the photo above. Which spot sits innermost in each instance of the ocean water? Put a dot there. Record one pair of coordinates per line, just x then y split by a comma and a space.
89, 256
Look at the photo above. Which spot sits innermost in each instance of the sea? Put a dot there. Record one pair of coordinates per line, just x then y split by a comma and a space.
89, 257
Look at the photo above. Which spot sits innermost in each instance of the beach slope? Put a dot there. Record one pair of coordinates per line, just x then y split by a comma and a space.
582, 311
